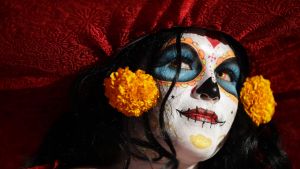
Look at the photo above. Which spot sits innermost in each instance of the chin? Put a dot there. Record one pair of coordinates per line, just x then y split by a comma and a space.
191, 156
193, 140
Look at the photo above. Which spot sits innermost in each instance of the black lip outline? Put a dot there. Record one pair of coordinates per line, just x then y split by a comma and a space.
182, 112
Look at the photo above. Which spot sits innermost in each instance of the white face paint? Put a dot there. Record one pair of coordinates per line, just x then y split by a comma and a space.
202, 106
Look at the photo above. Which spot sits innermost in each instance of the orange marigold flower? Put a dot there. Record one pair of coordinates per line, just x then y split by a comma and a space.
258, 100
131, 93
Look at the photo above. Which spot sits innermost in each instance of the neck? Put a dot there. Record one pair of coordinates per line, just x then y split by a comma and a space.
137, 163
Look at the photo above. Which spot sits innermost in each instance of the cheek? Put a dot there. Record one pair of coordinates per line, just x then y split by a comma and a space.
232, 97
227, 109
179, 97
180, 92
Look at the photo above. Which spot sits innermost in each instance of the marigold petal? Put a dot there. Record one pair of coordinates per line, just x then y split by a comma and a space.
131, 93
258, 100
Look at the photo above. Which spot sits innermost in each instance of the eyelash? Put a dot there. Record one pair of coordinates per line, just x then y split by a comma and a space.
184, 63
229, 73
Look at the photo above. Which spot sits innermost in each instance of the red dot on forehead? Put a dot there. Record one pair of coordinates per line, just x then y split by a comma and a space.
213, 42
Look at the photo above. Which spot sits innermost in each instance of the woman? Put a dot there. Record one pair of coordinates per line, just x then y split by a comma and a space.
198, 121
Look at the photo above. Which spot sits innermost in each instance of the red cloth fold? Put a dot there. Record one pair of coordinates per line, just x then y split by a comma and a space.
45, 43
47, 166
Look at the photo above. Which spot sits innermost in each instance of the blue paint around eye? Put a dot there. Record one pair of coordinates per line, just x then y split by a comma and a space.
230, 87
233, 70
165, 71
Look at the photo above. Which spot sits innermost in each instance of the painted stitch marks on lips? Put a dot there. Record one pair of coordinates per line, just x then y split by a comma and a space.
203, 115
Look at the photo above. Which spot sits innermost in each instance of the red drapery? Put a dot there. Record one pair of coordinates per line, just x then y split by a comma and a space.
45, 43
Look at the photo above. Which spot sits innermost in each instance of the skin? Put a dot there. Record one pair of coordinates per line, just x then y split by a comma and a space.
206, 64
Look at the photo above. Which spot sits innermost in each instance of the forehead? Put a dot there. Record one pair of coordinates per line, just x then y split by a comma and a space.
208, 46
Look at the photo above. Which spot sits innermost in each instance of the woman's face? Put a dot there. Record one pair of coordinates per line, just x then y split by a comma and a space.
202, 106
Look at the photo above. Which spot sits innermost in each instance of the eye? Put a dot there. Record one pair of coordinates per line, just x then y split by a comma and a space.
227, 75
224, 76
183, 65
167, 64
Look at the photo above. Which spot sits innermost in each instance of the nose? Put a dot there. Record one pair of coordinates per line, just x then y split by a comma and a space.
209, 91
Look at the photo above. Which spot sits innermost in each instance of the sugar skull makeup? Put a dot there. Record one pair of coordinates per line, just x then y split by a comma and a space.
202, 106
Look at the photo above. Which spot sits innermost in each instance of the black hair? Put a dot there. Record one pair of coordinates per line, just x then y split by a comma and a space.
95, 134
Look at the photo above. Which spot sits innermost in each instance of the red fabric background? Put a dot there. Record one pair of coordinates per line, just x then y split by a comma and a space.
45, 43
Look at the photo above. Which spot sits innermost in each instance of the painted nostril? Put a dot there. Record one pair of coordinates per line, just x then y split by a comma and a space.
209, 90
207, 98
216, 99
204, 96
